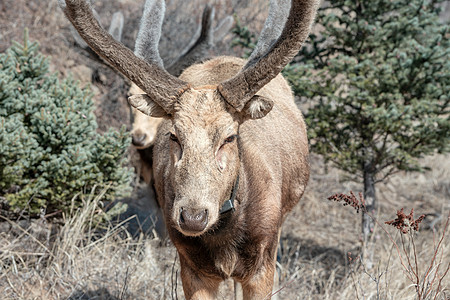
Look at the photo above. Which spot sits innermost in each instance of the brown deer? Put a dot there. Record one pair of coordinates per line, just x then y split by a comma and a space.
231, 156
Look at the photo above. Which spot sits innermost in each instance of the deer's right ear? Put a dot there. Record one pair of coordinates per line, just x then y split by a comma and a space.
146, 105
257, 107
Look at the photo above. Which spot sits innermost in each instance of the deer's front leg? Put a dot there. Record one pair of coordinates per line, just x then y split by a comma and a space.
260, 285
196, 286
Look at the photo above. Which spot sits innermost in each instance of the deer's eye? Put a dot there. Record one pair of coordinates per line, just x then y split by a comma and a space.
230, 139
174, 138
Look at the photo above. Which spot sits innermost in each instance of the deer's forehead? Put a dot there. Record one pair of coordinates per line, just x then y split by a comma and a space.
202, 109
201, 100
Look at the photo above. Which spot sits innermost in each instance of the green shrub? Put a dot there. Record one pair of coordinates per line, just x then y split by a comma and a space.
49, 148
243, 38
378, 74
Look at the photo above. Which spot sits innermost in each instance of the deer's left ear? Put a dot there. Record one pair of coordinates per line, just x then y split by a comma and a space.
146, 105
257, 107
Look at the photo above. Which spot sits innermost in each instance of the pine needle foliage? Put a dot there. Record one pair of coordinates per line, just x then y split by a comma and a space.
379, 76
49, 148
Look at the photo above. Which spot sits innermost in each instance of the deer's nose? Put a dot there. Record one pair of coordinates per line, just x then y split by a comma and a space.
138, 139
193, 220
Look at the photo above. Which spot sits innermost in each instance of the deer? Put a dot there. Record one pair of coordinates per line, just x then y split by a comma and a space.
231, 155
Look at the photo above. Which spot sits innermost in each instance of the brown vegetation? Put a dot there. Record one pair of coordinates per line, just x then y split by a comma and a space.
427, 284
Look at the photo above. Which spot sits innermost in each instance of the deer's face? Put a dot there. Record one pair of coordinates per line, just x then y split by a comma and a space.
204, 159
144, 129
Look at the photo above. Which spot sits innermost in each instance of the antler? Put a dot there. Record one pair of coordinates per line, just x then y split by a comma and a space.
147, 72
147, 41
116, 26
159, 85
278, 14
149, 34
115, 30
262, 68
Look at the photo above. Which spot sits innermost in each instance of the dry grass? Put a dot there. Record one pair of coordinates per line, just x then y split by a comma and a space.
322, 235
79, 261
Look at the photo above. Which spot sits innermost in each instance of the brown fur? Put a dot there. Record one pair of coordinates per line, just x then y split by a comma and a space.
270, 157
144, 127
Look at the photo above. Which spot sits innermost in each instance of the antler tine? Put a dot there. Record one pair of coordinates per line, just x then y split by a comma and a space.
223, 28
278, 14
159, 85
116, 26
149, 34
207, 19
198, 50
262, 68
78, 39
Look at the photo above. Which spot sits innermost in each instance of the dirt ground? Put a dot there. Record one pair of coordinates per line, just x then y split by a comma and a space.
127, 262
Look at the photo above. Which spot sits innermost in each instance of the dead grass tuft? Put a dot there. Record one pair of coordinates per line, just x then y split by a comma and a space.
81, 262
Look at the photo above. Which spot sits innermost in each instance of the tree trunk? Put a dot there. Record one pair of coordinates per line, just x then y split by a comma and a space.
371, 207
